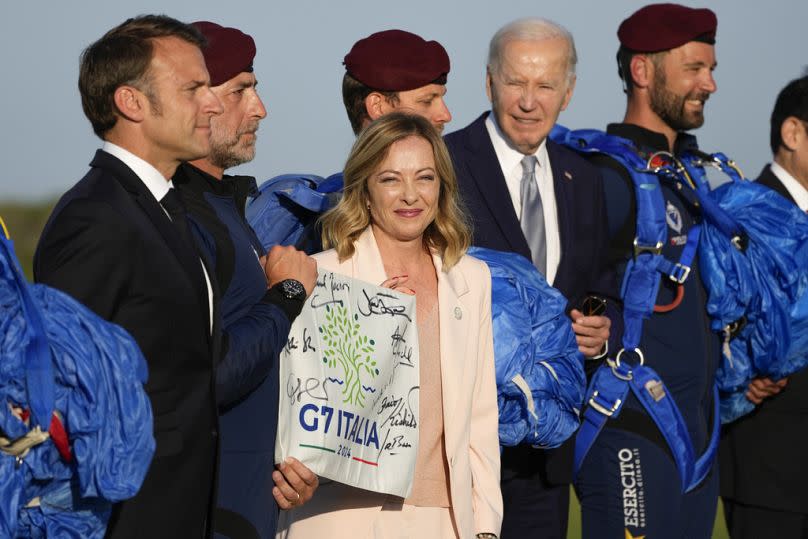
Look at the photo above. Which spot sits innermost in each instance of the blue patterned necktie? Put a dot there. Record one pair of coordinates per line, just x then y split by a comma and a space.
532, 217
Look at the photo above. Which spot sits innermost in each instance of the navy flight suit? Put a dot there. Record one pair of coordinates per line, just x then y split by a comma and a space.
628, 484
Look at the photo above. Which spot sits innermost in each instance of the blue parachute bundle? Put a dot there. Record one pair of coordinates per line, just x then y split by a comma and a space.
540, 375
58, 359
763, 284
289, 204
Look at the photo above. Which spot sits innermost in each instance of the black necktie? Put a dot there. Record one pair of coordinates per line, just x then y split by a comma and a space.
176, 209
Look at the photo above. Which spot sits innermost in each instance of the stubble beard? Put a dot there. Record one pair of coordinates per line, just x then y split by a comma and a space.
670, 107
227, 152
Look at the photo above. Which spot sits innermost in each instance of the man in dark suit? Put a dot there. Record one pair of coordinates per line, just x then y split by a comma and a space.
763, 482
527, 195
118, 241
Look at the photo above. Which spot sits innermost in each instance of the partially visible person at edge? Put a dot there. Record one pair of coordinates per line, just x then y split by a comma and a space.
772, 500
118, 242
391, 70
666, 61
531, 196
259, 299
399, 224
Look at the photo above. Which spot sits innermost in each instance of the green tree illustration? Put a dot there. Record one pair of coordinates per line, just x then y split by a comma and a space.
345, 346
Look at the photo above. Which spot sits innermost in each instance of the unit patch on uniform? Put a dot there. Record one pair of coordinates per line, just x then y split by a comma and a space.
673, 217
633, 493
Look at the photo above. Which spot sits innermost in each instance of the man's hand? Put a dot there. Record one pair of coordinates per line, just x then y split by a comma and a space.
763, 388
294, 483
285, 262
591, 332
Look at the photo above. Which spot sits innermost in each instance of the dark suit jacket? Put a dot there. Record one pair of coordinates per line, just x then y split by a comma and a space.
109, 244
582, 229
762, 454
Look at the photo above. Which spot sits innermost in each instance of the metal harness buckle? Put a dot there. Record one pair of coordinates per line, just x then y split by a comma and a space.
639, 249
608, 412
680, 273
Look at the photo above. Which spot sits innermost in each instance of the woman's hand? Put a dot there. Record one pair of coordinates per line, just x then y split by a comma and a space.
397, 284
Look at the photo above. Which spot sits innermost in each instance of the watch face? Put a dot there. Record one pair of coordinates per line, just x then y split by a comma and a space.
293, 289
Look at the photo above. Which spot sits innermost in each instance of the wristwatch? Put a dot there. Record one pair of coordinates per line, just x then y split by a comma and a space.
292, 289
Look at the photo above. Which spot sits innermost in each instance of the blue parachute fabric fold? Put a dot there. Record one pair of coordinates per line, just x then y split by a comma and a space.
539, 370
765, 285
63, 514
287, 204
97, 374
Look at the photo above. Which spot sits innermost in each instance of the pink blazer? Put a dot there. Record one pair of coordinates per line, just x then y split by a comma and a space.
468, 382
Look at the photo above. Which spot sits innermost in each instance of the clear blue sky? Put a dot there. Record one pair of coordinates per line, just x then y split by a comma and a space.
47, 142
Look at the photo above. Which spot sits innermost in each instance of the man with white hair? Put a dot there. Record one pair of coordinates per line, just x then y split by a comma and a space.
526, 194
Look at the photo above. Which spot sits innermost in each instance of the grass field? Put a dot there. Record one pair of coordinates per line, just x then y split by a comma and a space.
574, 530
24, 222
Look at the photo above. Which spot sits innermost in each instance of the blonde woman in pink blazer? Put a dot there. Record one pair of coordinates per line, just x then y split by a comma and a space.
399, 223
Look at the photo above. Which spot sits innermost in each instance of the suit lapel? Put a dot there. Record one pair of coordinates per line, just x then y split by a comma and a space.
455, 318
367, 260
186, 255
563, 188
485, 169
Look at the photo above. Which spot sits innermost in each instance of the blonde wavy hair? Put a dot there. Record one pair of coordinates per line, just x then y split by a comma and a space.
449, 234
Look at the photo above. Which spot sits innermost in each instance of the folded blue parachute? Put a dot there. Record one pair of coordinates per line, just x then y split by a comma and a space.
287, 206
63, 371
754, 262
539, 370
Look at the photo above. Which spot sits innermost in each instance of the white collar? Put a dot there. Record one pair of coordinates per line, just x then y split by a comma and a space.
795, 189
508, 157
155, 182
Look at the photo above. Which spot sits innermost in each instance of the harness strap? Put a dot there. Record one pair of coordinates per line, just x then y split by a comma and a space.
609, 390
604, 402
639, 290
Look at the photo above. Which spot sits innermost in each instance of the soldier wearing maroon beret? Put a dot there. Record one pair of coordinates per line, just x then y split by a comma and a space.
628, 482
255, 310
395, 70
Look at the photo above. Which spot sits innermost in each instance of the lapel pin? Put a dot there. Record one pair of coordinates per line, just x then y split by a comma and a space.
567, 175
458, 313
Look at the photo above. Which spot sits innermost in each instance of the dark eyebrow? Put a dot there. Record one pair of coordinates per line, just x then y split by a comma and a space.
426, 169
194, 84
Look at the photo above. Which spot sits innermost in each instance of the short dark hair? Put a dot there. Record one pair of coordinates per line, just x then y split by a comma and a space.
624, 56
792, 101
354, 94
122, 57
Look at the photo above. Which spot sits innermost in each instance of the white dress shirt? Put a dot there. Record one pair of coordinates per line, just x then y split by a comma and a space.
794, 188
510, 161
158, 186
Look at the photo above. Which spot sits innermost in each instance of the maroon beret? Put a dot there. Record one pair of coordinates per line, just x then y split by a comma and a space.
397, 61
229, 51
661, 27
